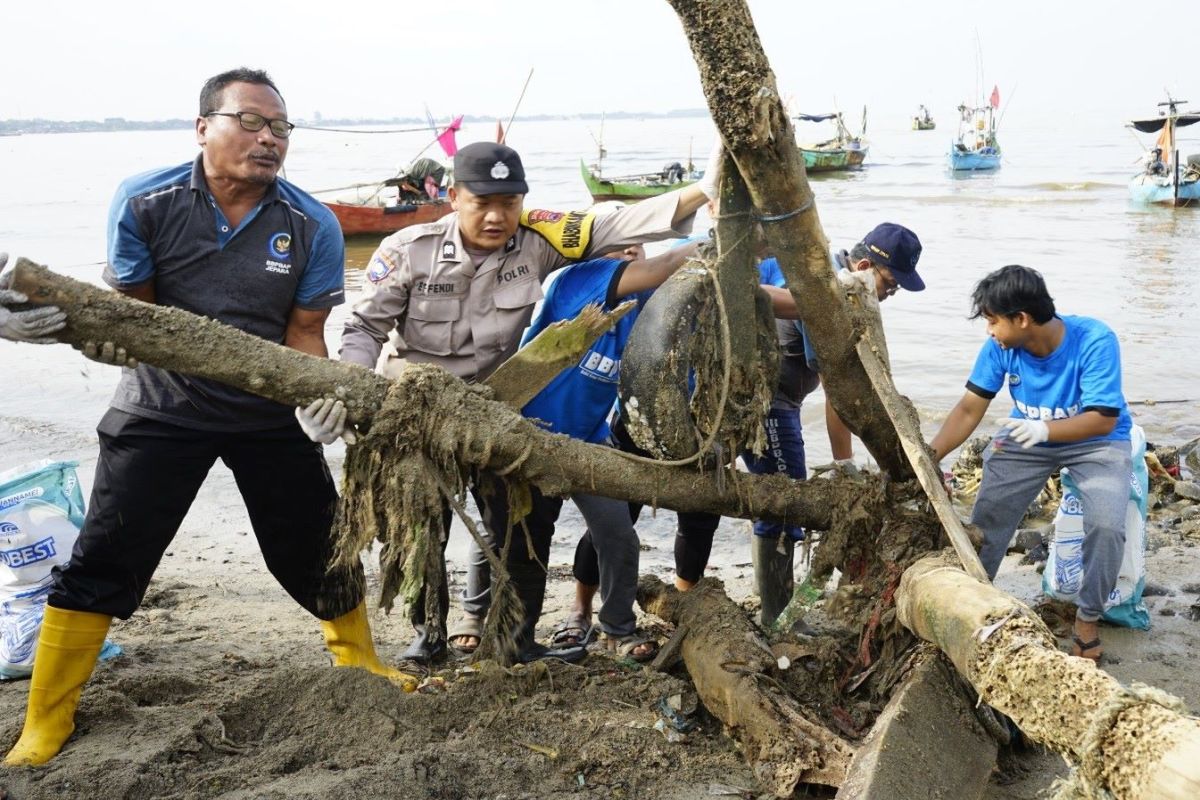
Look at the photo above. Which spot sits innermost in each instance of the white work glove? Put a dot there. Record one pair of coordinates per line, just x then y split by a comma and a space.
324, 421
33, 326
1027, 432
712, 170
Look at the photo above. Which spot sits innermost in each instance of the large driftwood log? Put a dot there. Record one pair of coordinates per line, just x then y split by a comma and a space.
872, 352
745, 104
730, 664
482, 432
1135, 744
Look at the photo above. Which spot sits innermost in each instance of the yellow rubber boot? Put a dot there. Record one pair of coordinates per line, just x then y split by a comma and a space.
67, 648
349, 640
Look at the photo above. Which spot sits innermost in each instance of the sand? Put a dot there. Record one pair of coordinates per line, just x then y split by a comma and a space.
224, 690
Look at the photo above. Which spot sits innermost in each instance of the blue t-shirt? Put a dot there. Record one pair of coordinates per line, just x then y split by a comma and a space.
578, 401
1082, 374
164, 226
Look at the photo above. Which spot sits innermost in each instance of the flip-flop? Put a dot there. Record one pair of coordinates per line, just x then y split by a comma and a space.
539, 652
1082, 647
467, 626
623, 646
573, 632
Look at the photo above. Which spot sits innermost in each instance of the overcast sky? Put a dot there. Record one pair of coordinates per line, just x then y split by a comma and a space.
76, 60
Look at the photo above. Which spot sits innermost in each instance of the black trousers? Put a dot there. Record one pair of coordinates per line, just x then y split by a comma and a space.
525, 568
146, 479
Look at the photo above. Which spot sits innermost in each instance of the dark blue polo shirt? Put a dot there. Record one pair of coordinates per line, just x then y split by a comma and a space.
288, 252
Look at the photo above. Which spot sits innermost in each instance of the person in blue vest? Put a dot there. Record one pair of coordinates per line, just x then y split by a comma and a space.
224, 237
1063, 374
891, 253
578, 403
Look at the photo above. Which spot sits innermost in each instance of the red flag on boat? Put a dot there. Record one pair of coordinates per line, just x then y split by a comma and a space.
499, 133
446, 137
995, 98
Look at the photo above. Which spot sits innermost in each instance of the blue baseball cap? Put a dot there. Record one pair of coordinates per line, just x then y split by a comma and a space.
897, 248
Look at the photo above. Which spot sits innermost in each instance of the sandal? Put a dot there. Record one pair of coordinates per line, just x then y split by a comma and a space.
1081, 648
469, 627
624, 646
573, 632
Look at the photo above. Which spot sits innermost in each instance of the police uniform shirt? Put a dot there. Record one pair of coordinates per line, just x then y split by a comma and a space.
165, 227
425, 293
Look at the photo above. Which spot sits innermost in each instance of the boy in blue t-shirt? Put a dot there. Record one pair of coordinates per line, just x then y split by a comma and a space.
1064, 377
577, 403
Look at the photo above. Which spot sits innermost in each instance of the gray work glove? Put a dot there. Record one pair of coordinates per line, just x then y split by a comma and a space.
324, 421
33, 326
108, 353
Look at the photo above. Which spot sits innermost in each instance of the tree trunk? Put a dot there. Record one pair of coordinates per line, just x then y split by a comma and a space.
744, 101
730, 665
1133, 743
462, 422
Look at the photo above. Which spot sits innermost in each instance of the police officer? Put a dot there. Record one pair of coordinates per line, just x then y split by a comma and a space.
220, 236
458, 293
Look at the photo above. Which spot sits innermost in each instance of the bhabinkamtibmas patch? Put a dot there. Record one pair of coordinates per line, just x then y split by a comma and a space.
569, 233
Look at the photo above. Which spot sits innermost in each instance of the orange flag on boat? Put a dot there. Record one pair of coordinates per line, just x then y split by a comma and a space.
499, 133
995, 98
446, 137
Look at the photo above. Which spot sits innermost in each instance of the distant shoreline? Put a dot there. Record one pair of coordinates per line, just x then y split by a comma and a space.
11, 127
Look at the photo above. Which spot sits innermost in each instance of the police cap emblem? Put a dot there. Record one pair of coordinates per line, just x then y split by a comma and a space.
499, 171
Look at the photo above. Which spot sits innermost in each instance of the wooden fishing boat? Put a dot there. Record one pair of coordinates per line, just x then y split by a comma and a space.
381, 218
414, 196
844, 151
922, 121
1166, 177
629, 188
976, 147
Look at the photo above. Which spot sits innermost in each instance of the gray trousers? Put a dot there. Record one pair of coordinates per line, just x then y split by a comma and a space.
1012, 478
617, 549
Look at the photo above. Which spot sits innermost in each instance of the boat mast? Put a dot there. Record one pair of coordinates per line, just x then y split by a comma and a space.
1172, 150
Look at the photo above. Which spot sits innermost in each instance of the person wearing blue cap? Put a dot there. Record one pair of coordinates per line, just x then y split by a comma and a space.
891, 252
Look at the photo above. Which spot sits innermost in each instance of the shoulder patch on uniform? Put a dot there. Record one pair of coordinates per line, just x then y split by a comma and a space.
379, 268
568, 233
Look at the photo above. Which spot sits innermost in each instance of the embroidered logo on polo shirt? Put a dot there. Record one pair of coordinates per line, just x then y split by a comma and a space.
281, 246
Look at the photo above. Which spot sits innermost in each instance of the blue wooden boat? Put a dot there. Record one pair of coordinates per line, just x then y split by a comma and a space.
1167, 177
976, 147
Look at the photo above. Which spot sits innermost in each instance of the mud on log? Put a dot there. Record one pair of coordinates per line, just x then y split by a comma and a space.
1135, 743
730, 665
462, 421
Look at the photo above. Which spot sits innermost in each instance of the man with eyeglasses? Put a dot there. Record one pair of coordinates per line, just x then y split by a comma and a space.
224, 237
891, 252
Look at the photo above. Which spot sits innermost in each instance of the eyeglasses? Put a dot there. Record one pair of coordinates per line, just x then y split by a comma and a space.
280, 128
890, 287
